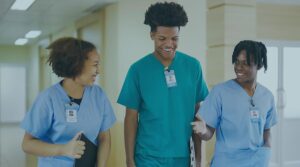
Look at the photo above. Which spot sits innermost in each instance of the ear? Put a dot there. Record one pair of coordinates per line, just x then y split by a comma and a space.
152, 34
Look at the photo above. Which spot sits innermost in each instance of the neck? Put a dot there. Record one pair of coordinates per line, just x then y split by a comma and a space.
165, 62
249, 87
72, 88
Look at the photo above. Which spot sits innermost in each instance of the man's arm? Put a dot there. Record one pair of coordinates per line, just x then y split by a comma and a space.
197, 141
130, 127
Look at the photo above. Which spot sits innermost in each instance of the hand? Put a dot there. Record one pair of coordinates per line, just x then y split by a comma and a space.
199, 126
74, 148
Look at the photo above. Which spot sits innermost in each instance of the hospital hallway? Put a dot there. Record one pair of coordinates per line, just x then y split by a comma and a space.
117, 29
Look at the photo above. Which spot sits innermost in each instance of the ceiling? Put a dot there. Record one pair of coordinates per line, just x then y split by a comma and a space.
46, 15
52, 15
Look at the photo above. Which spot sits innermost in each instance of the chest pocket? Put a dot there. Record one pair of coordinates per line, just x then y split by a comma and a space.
256, 127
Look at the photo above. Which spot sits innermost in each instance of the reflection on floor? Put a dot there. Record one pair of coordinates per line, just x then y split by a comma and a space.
11, 154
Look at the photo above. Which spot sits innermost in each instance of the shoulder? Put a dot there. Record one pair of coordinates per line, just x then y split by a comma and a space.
186, 57
95, 89
143, 61
45, 98
222, 87
96, 92
188, 60
265, 91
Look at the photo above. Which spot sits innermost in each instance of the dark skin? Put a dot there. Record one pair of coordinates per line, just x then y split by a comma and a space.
246, 75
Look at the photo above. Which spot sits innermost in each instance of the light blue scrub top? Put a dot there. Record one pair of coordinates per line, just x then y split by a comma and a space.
165, 113
46, 120
239, 133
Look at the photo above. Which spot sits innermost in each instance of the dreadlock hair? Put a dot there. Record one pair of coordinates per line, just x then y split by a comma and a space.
168, 14
256, 50
67, 56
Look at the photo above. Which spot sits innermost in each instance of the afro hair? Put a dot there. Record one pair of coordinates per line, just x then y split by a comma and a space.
168, 14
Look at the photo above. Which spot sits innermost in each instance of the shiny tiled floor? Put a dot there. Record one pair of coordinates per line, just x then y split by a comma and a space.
11, 154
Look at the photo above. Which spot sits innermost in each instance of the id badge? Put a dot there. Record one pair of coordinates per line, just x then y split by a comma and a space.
254, 114
170, 78
71, 112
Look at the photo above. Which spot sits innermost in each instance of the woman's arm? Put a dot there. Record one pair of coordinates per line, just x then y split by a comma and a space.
103, 148
267, 138
32, 145
202, 129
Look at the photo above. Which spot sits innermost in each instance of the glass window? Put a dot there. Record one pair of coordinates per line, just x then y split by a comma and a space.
291, 81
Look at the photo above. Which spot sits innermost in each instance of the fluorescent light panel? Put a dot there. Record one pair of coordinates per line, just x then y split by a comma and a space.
21, 41
33, 34
22, 4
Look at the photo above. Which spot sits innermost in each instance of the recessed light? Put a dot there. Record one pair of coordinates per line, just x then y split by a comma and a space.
33, 34
22, 4
21, 41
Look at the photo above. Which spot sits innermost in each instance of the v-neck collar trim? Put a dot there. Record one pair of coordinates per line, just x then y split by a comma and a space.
66, 97
244, 91
158, 61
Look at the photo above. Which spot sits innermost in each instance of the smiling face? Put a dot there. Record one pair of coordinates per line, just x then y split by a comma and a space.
90, 69
245, 74
165, 42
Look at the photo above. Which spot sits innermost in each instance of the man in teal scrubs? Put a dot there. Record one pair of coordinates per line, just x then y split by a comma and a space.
160, 93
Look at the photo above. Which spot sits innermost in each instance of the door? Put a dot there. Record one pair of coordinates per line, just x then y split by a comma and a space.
283, 79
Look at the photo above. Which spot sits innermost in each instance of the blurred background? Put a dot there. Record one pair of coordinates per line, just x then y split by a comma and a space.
116, 28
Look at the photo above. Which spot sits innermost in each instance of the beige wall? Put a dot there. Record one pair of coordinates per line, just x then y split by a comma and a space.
14, 54
126, 39
278, 22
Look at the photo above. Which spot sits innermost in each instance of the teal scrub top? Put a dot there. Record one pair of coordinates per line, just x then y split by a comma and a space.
165, 113
46, 120
239, 124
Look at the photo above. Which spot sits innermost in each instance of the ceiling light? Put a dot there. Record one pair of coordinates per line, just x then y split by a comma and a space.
22, 4
33, 34
21, 41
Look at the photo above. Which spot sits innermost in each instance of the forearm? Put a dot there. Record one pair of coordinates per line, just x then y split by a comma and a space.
40, 148
208, 134
130, 129
267, 138
197, 146
103, 149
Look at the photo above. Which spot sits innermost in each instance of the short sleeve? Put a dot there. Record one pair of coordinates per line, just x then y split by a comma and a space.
271, 118
38, 120
130, 94
211, 109
202, 90
109, 117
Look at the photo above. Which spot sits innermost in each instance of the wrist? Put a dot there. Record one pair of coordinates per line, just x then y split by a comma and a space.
61, 150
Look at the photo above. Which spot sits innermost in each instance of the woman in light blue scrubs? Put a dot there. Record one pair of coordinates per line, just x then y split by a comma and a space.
69, 109
241, 111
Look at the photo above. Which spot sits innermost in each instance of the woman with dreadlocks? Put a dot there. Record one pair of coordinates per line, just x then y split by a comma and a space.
241, 111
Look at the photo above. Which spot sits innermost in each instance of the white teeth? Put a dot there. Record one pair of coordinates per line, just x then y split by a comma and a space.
167, 50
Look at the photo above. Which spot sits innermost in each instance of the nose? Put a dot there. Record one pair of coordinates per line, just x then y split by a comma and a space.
238, 66
169, 43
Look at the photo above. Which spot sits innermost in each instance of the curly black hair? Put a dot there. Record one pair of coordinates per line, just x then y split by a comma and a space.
168, 14
67, 56
252, 48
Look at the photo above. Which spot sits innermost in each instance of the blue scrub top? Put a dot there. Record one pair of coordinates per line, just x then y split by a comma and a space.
46, 120
239, 131
165, 113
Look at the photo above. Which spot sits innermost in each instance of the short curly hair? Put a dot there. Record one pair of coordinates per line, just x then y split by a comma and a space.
67, 56
168, 14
